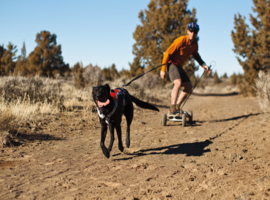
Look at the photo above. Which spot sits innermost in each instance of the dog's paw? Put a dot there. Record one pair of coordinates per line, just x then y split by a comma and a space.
127, 143
121, 148
106, 153
128, 138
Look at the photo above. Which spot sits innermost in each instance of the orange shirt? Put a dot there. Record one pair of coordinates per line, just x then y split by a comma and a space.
180, 50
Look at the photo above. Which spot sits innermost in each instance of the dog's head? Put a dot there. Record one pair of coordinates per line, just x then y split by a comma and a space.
101, 96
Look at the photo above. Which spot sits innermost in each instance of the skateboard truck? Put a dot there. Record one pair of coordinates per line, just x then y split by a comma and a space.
178, 118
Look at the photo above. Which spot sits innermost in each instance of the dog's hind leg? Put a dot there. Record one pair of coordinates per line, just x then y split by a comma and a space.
128, 112
119, 135
111, 127
102, 140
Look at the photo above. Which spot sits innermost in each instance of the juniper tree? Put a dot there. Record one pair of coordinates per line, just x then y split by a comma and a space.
114, 73
46, 59
21, 64
216, 78
124, 72
7, 57
136, 68
76, 68
161, 24
233, 79
225, 75
107, 73
2, 50
110, 73
23, 52
79, 80
252, 44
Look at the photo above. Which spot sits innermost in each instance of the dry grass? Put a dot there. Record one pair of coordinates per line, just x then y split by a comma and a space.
35, 97
25, 98
6, 119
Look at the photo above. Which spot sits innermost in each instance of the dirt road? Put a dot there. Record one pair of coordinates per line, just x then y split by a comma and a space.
224, 154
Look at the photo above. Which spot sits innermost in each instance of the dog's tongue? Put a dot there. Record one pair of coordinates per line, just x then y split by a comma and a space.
100, 104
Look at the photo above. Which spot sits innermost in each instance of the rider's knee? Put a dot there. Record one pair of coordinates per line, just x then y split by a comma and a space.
177, 83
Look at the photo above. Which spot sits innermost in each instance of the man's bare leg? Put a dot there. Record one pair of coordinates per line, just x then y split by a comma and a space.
175, 90
183, 95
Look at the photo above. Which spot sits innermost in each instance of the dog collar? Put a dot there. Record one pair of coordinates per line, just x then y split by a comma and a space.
107, 117
114, 94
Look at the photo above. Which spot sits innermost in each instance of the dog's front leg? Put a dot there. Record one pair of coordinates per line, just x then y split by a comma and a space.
111, 127
102, 140
128, 137
119, 135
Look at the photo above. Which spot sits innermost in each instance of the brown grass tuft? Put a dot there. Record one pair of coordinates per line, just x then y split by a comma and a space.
6, 118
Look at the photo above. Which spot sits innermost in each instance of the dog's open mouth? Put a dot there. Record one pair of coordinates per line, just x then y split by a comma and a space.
101, 104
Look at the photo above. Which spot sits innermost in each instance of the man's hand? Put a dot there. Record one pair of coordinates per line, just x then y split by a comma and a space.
162, 74
207, 69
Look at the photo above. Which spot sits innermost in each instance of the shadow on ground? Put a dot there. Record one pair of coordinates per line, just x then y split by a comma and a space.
17, 138
232, 118
216, 94
190, 149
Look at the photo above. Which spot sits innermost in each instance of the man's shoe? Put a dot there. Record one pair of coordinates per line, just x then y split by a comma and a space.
172, 112
179, 112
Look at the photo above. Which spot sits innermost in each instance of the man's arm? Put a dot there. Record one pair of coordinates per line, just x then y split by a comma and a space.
166, 57
198, 58
173, 47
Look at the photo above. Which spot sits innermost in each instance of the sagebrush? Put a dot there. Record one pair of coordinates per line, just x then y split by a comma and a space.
262, 85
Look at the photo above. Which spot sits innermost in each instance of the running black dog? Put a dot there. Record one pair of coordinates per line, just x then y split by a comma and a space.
111, 105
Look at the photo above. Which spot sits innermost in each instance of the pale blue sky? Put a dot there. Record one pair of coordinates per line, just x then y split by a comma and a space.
101, 32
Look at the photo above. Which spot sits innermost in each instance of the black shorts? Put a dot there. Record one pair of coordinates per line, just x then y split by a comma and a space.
177, 72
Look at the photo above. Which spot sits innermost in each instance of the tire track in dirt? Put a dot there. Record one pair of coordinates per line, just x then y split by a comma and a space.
240, 119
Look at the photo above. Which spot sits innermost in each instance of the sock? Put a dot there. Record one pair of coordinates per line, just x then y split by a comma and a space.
177, 106
173, 107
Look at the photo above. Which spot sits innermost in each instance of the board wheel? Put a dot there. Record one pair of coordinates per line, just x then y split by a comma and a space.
190, 118
164, 120
183, 119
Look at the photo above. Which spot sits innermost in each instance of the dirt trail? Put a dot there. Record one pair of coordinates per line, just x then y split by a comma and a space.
224, 154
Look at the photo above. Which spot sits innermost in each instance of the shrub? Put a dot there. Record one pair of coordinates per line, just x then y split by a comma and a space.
150, 81
5, 120
233, 79
262, 86
244, 88
225, 75
216, 78
79, 80
196, 80
93, 76
32, 89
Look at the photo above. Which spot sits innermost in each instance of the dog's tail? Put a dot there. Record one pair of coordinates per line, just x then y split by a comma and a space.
143, 104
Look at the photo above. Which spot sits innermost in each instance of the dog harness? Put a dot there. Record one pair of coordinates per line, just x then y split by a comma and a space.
114, 94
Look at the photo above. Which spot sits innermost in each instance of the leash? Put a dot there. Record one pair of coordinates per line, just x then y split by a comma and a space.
143, 75
160, 66
194, 88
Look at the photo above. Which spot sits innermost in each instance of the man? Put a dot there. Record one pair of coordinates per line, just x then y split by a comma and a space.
175, 56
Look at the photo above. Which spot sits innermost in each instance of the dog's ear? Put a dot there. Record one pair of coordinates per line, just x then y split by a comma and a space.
108, 87
93, 90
